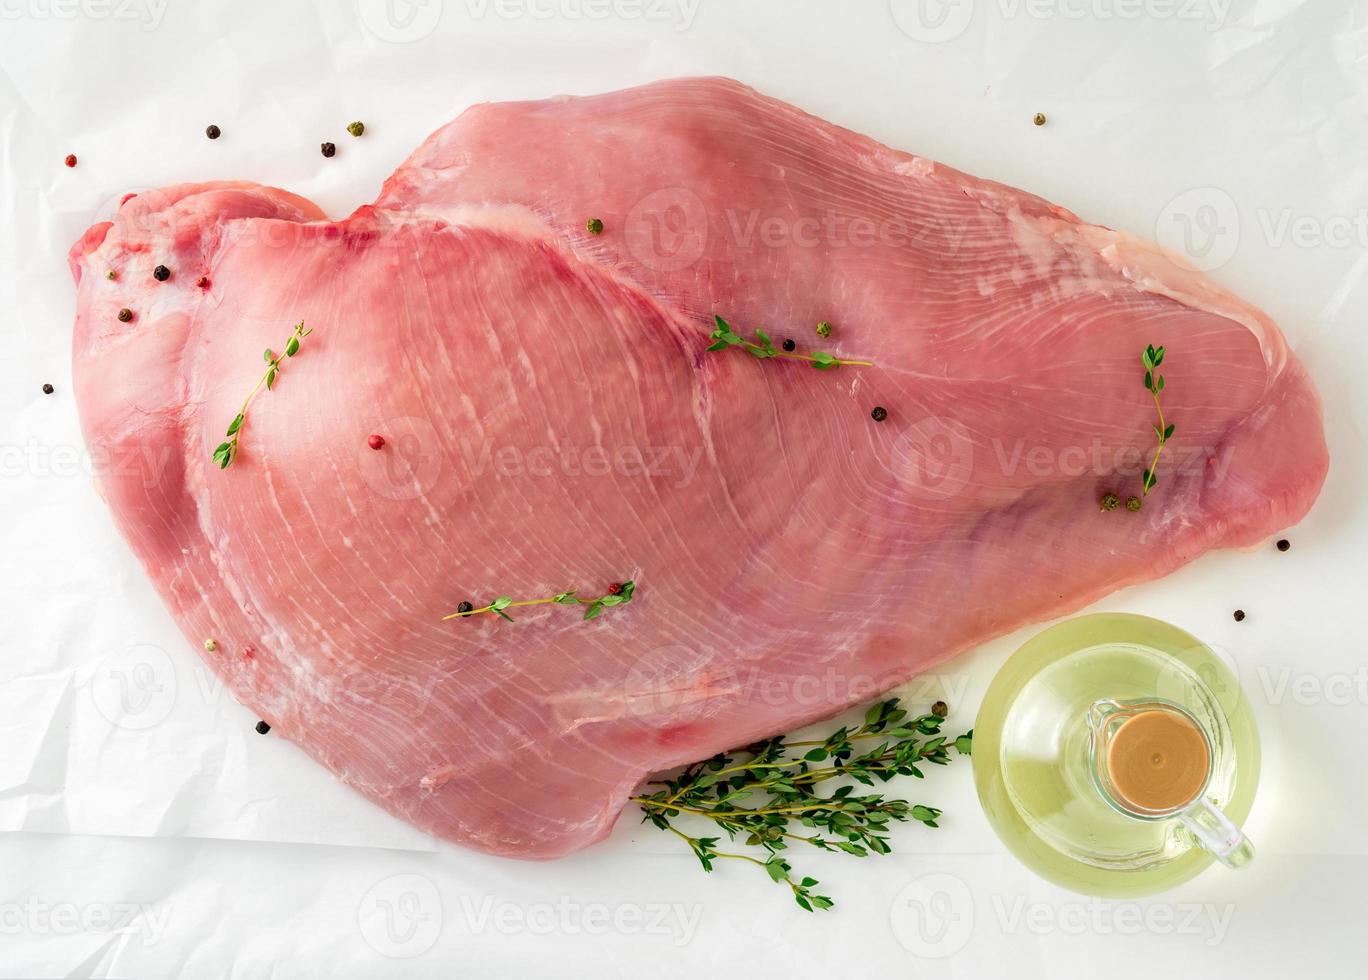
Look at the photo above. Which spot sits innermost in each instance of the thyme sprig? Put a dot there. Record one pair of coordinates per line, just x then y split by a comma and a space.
594, 610
1153, 357
724, 336
770, 798
226, 452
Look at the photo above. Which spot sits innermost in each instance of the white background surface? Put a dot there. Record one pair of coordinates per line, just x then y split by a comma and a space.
146, 831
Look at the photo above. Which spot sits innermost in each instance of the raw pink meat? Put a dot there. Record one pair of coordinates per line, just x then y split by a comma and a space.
552, 421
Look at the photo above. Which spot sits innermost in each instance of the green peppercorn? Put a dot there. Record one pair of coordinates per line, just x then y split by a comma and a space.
824, 328
1133, 504
1111, 501
1039, 119
111, 275
594, 226
356, 128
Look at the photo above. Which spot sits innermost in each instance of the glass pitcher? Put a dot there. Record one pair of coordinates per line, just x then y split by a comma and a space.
1116, 755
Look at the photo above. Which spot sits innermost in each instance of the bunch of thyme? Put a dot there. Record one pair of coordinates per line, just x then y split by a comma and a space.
771, 798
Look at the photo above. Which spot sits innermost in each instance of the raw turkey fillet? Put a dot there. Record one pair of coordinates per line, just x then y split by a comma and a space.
553, 421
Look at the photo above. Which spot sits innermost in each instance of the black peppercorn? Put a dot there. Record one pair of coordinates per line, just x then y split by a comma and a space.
940, 709
790, 346
262, 728
125, 315
47, 389
213, 132
879, 414
1284, 545
1239, 615
329, 149
161, 273
465, 607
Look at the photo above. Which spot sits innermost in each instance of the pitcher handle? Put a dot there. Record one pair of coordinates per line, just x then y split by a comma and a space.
1216, 833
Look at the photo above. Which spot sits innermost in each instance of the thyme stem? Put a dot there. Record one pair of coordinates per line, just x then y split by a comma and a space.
620, 597
226, 452
1152, 358
724, 336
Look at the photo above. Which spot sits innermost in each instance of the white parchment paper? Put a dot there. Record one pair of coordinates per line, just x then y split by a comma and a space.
147, 830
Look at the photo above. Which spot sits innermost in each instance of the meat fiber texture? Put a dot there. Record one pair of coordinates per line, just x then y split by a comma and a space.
552, 421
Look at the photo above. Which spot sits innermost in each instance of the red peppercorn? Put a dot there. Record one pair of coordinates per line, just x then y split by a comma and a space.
615, 589
248, 653
202, 282
376, 442
70, 160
